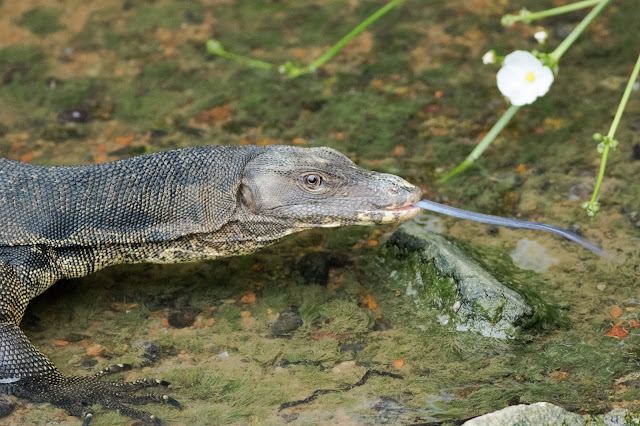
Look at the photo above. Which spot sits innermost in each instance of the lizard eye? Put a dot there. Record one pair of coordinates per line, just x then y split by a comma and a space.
313, 181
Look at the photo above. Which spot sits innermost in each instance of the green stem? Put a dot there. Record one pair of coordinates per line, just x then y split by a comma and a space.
531, 16
563, 9
614, 127
357, 30
567, 42
215, 48
293, 70
554, 57
484, 143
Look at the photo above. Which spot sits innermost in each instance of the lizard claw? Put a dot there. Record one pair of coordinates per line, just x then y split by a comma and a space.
77, 394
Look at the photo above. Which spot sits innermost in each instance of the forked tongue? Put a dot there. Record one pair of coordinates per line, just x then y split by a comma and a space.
510, 223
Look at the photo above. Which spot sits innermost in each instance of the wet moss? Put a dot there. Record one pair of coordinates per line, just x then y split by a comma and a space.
228, 316
41, 21
20, 64
547, 313
345, 317
169, 16
364, 103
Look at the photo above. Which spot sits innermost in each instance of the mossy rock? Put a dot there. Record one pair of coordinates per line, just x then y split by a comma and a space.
438, 274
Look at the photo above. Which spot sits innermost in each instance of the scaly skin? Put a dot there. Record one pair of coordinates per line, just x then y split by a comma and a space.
169, 207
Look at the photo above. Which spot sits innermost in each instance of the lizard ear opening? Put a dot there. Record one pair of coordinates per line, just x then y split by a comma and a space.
246, 198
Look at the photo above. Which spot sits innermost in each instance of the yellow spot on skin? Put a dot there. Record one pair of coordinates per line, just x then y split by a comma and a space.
388, 217
530, 77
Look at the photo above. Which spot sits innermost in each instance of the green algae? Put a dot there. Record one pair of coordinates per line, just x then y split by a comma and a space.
494, 372
41, 21
365, 104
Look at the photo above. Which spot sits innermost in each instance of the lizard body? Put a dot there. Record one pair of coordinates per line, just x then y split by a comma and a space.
168, 207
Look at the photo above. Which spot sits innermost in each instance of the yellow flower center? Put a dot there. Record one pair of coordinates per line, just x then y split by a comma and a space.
530, 77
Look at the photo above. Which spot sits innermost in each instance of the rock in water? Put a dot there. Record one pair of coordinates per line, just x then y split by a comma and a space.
545, 413
287, 322
541, 413
532, 256
7, 405
467, 295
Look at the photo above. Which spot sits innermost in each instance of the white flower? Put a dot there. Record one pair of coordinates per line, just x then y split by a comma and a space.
541, 36
523, 78
489, 57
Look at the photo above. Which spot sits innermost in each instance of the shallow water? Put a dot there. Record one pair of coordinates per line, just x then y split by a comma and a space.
86, 81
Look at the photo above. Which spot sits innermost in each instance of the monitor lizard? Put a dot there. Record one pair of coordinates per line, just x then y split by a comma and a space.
167, 207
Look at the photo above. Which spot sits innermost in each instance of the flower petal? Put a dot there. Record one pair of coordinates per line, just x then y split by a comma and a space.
509, 79
525, 96
544, 78
522, 59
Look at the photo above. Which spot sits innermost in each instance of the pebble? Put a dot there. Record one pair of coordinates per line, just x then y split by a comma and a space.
634, 218
74, 115
353, 348
75, 337
343, 367
181, 319
287, 322
96, 350
150, 349
444, 319
88, 361
314, 268
382, 324
248, 298
532, 256
7, 405
580, 191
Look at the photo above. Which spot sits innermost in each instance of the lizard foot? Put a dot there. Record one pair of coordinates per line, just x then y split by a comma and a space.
77, 394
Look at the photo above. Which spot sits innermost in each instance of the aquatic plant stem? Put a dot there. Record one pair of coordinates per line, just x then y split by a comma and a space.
526, 16
213, 46
344, 40
552, 62
567, 42
613, 129
289, 68
484, 143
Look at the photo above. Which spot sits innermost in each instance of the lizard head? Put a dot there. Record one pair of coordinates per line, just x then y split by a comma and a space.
320, 187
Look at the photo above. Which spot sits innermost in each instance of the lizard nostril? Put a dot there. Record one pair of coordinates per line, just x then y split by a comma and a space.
393, 191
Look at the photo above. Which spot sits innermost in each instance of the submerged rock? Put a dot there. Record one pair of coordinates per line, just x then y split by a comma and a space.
545, 413
7, 405
541, 413
181, 318
74, 115
439, 274
532, 256
287, 322
314, 268
150, 350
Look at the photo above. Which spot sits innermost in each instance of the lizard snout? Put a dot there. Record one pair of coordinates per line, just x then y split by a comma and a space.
398, 193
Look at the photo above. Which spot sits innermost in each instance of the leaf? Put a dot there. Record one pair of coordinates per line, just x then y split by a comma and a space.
615, 311
618, 331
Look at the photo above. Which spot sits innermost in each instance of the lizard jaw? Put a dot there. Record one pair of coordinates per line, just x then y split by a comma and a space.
390, 215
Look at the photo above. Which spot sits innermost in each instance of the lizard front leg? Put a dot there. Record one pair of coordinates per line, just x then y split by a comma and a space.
27, 373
